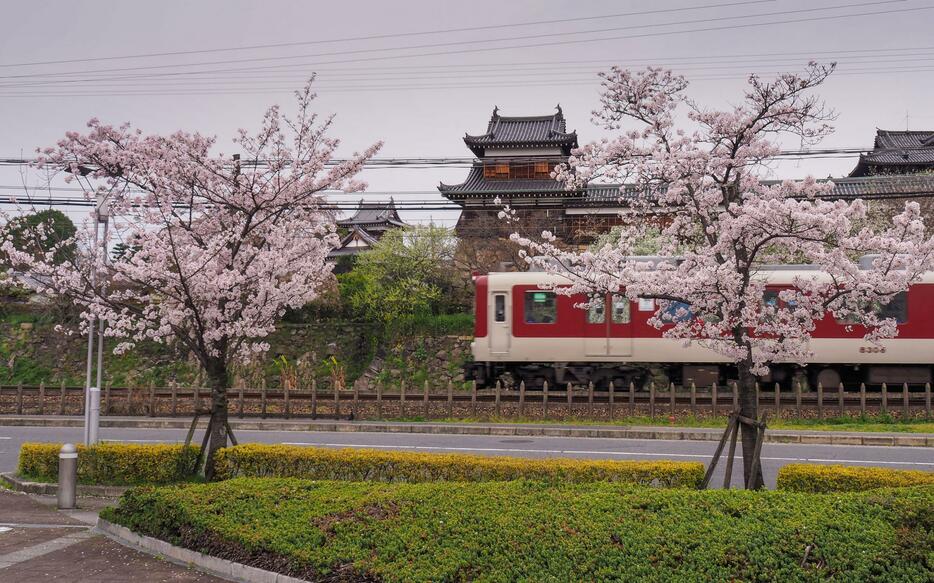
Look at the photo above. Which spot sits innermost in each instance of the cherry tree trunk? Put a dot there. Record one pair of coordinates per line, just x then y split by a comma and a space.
749, 408
218, 380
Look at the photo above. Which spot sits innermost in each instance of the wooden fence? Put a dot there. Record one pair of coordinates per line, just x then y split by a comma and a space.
499, 402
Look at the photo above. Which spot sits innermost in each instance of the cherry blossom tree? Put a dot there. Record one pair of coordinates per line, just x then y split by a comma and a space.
720, 223
221, 246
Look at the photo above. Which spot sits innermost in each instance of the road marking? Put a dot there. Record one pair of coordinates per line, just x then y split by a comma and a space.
593, 452
29, 553
2, 437
40, 525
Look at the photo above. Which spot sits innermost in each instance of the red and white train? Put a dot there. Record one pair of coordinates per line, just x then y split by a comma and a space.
525, 333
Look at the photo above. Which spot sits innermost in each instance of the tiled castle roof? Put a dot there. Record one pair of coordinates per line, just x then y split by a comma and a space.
895, 150
517, 132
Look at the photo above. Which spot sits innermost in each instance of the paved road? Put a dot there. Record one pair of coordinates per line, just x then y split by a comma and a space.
774, 455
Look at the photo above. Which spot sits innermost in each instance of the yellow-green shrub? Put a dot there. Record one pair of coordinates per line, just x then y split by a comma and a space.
281, 461
836, 478
116, 464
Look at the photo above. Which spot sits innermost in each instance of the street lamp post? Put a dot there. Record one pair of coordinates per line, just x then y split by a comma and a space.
91, 418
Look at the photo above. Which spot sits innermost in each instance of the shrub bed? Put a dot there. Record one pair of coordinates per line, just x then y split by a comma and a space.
280, 461
836, 478
111, 464
531, 531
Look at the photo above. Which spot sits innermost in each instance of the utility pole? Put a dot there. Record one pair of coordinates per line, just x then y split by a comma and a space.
92, 393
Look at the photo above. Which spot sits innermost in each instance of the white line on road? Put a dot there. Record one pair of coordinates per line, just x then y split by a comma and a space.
2, 437
137, 441
592, 452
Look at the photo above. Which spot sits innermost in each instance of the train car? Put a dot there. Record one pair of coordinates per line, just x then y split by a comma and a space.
526, 333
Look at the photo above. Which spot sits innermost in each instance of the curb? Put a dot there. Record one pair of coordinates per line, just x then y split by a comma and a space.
218, 567
51, 489
531, 430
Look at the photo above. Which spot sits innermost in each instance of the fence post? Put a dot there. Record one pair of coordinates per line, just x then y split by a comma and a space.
61, 399
196, 398
652, 399
450, 411
402, 399
862, 399
885, 398
152, 399
42, 397
425, 401
473, 399
570, 398
379, 399
906, 413
671, 398
314, 399
713, 397
129, 400
778, 401
497, 405
337, 398
840, 404
632, 398
735, 397
355, 408
521, 398
611, 398
693, 400
106, 399
545, 400
174, 400
927, 400
19, 398
820, 400
798, 400
285, 398
590, 400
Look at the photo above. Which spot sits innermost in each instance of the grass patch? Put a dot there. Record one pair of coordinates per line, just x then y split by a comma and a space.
529, 531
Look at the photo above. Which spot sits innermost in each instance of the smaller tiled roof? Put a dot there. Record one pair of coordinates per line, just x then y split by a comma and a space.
895, 151
518, 132
849, 188
374, 214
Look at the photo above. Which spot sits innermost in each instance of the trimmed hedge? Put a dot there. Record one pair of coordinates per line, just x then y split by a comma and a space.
530, 531
359, 465
112, 464
837, 478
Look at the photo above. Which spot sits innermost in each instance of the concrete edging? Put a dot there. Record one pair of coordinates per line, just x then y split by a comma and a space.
530, 430
51, 489
218, 567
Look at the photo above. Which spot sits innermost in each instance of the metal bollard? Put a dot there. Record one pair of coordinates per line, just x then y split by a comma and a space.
94, 416
67, 476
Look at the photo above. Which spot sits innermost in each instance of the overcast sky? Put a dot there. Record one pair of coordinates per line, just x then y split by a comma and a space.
422, 99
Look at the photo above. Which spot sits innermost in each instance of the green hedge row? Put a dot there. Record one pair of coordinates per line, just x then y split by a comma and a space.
114, 464
814, 478
282, 461
530, 531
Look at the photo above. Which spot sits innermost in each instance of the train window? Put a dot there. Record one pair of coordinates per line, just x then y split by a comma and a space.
596, 312
499, 308
540, 307
620, 309
897, 308
677, 312
770, 298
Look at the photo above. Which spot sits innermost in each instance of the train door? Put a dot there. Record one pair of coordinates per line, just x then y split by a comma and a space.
619, 324
597, 329
500, 330
608, 334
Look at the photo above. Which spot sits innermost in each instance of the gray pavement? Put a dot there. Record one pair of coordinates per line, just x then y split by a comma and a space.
774, 455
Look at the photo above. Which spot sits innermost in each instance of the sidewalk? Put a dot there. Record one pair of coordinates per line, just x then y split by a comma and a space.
40, 543
498, 429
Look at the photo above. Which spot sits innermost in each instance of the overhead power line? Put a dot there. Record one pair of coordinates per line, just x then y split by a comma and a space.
383, 57
562, 20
